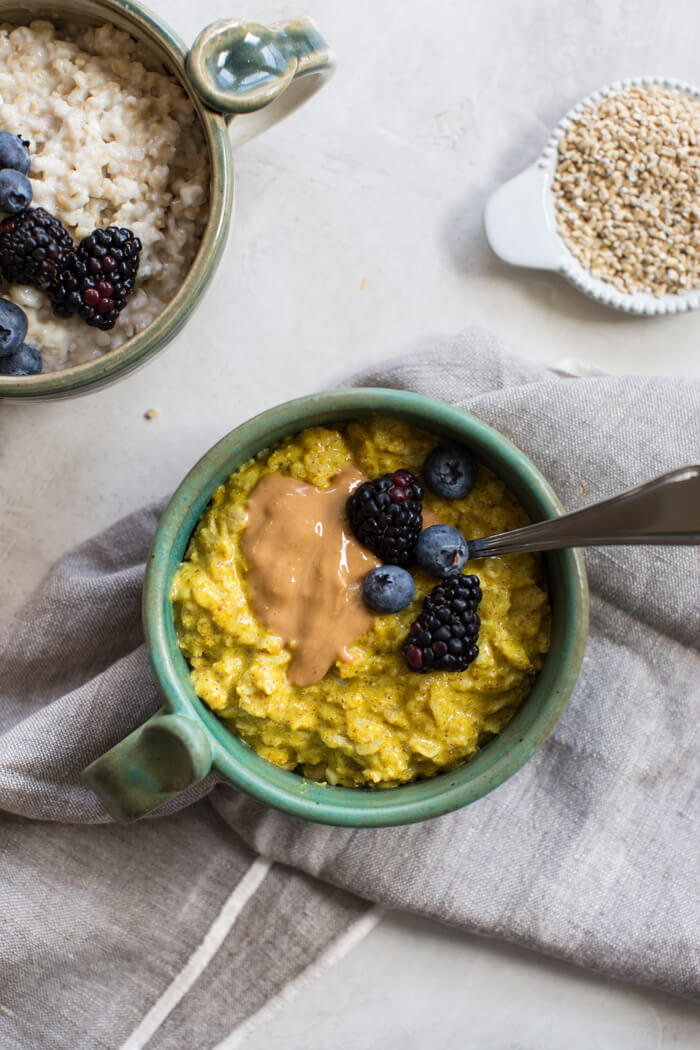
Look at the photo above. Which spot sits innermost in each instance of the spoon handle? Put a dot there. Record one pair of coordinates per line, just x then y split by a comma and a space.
665, 510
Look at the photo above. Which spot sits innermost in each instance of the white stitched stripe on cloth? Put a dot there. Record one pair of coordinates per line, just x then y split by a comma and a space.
201, 956
334, 954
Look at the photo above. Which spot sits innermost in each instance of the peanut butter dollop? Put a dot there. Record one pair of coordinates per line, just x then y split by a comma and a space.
305, 570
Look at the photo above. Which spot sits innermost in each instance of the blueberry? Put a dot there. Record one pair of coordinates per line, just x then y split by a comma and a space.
13, 327
450, 471
13, 152
23, 362
15, 191
388, 589
441, 549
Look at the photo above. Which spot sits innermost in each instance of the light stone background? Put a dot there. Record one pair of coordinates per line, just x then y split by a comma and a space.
357, 235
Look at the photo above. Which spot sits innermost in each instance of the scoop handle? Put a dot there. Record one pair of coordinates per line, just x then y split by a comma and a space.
665, 510
517, 225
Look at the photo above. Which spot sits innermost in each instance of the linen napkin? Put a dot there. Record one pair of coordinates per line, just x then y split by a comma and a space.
183, 931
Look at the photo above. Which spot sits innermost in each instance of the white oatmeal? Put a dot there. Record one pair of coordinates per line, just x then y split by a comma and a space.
112, 143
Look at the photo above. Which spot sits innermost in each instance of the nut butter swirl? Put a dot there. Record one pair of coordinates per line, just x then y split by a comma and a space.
305, 570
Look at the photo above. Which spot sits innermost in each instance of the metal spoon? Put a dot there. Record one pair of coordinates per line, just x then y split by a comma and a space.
665, 510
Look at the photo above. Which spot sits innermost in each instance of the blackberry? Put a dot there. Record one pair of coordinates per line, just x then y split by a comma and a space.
386, 515
444, 636
96, 279
32, 245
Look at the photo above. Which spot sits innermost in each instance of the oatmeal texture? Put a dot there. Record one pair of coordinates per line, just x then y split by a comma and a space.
113, 141
371, 721
627, 189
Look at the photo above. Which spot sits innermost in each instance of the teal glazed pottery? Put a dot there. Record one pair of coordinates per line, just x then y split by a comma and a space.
185, 741
241, 78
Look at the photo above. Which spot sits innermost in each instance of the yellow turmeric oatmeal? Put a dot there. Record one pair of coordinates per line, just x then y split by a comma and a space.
368, 720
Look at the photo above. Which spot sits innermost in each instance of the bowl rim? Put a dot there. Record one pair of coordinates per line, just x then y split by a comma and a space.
289, 792
145, 344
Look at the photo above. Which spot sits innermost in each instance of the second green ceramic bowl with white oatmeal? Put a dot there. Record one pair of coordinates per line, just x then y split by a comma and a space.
241, 78
186, 741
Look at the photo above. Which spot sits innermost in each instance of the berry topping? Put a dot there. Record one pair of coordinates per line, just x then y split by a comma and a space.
23, 362
32, 245
388, 589
15, 191
14, 152
414, 657
450, 471
96, 279
441, 549
13, 327
386, 515
444, 636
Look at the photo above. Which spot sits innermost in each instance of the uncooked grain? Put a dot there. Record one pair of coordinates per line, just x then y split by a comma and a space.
627, 189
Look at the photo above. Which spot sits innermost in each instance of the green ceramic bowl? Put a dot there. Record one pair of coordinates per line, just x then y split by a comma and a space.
241, 78
183, 743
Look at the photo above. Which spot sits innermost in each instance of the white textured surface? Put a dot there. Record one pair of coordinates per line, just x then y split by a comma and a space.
413, 985
379, 184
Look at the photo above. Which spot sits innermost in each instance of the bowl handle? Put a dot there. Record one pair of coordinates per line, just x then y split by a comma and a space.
150, 766
258, 74
516, 224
